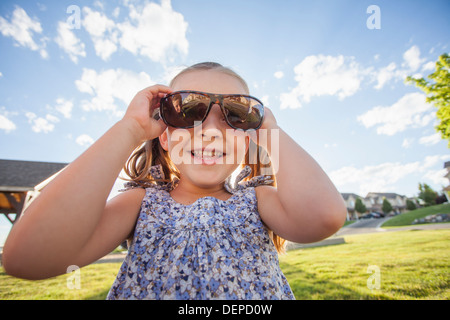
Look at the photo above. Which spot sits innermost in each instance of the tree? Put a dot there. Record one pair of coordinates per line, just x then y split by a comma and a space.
359, 206
427, 194
387, 207
410, 205
437, 89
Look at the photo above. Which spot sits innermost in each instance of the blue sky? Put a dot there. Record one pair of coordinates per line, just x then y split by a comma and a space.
334, 84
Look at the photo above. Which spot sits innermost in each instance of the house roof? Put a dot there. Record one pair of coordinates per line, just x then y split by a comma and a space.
347, 195
19, 175
388, 195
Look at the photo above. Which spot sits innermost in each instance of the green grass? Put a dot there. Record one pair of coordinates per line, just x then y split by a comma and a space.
95, 282
408, 217
412, 265
349, 222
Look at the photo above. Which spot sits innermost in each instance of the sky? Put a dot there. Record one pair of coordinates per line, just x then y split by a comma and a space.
332, 72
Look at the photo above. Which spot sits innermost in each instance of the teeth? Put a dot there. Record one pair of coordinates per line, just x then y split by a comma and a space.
207, 154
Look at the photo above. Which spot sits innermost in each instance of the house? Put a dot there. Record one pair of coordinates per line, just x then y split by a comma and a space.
20, 181
375, 200
373, 203
350, 201
447, 175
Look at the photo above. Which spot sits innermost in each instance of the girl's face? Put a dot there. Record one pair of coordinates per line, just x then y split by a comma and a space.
206, 154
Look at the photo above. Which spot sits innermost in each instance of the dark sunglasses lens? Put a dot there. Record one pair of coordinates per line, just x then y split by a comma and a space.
182, 110
244, 112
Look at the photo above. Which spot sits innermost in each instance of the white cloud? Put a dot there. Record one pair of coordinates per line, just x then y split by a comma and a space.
265, 100
412, 59
40, 124
431, 139
384, 177
410, 111
278, 74
429, 66
103, 32
290, 100
407, 142
152, 30
437, 177
412, 62
324, 75
377, 178
170, 72
69, 42
22, 28
110, 85
431, 161
64, 107
155, 31
6, 124
84, 140
385, 74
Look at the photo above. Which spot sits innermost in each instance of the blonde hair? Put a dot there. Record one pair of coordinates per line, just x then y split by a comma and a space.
151, 153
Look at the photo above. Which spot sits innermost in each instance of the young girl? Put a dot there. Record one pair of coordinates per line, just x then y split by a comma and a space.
193, 234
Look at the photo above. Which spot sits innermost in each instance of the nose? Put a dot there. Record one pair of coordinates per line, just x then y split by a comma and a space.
213, 124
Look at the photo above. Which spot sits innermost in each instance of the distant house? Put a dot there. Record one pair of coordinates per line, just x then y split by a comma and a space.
350, 200
20, 180
373, 202
447, 175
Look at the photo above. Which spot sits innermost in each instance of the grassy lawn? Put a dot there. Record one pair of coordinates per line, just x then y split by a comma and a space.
408, 217
95, 282
411, 264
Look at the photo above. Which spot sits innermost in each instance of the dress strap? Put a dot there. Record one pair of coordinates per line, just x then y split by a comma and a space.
157, 174
253, 182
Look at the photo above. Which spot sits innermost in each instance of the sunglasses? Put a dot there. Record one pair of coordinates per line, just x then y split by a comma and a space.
186, 109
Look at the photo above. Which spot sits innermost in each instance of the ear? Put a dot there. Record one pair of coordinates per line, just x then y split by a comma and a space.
163, 140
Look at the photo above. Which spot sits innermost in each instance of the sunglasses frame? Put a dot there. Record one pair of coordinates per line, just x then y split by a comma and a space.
213, 99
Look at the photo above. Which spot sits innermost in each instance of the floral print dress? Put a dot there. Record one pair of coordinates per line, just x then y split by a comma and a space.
211, 249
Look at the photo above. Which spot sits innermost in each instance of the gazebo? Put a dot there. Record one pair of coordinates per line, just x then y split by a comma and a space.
20, 181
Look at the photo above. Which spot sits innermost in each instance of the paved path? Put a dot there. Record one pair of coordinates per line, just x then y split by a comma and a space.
374, 225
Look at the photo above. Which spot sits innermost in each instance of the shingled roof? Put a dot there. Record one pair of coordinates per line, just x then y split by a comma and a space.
17, 178
18, 175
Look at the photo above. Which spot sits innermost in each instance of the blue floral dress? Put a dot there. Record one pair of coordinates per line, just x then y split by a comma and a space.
211, 249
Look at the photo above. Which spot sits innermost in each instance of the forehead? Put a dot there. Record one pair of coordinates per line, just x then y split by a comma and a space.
212, 81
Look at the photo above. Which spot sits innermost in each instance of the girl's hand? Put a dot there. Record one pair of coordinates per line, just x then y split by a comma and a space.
268, 124
141, 109
269, 121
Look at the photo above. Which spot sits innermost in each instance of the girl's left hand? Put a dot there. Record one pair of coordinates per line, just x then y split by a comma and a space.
268, 124
269, 121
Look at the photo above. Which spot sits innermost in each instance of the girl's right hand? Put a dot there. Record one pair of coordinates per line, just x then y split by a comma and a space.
141, 109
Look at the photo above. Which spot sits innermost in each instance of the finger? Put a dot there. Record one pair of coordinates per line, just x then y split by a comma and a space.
157, 89
159, 128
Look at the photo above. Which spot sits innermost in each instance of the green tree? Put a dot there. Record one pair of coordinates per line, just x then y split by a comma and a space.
359, 206
387, 207
437, 89
427, 194
410, 205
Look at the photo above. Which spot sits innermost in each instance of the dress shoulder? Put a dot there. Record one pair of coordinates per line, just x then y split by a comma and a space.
251, 183
157, 174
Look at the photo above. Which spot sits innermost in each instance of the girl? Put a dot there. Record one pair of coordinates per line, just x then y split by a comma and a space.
193, 234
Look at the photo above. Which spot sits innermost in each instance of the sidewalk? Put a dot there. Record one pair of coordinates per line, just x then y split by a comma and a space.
359, 228
112, 258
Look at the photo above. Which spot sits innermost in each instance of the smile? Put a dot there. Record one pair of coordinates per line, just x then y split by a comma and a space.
208, 157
